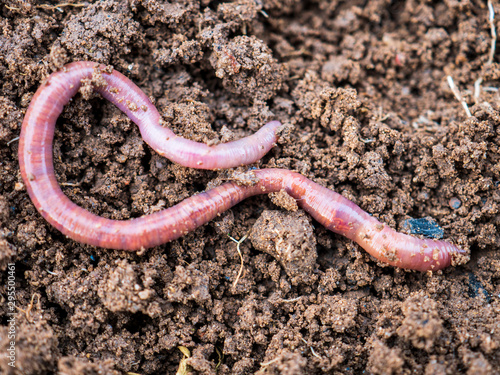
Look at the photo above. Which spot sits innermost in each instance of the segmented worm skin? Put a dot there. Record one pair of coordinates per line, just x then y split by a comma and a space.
329, 208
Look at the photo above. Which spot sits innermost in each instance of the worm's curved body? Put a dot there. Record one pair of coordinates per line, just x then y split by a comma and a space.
329, 208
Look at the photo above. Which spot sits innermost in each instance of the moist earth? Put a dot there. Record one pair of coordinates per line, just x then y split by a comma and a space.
361, 88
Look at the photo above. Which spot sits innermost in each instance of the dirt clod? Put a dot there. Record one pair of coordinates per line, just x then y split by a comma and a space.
288, 238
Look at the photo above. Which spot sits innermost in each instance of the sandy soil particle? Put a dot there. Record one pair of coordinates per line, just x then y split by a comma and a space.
361, 89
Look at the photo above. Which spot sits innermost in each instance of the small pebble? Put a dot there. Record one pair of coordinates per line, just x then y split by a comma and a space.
426, 226
455, 203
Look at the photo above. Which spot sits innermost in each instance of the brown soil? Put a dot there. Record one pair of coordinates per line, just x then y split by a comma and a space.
361, 87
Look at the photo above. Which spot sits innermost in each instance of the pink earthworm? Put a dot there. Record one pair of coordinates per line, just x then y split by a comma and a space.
330, 209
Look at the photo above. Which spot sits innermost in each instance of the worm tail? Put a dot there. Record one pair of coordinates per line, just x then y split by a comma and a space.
342, 216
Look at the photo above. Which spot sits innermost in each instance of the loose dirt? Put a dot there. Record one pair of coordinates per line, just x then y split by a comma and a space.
361, 87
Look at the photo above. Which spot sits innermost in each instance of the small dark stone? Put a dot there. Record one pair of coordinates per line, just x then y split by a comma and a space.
476, 288
426, 226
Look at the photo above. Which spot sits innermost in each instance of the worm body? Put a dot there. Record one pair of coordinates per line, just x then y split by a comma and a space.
329, 208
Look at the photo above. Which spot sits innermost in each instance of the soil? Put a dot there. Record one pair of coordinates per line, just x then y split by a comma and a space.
362, 90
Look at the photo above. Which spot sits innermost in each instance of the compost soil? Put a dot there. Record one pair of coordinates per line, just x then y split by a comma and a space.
362, 90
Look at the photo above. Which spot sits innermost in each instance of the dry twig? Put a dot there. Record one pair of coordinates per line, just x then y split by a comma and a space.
241, 256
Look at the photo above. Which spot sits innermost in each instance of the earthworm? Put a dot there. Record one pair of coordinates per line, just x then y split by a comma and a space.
330, 209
